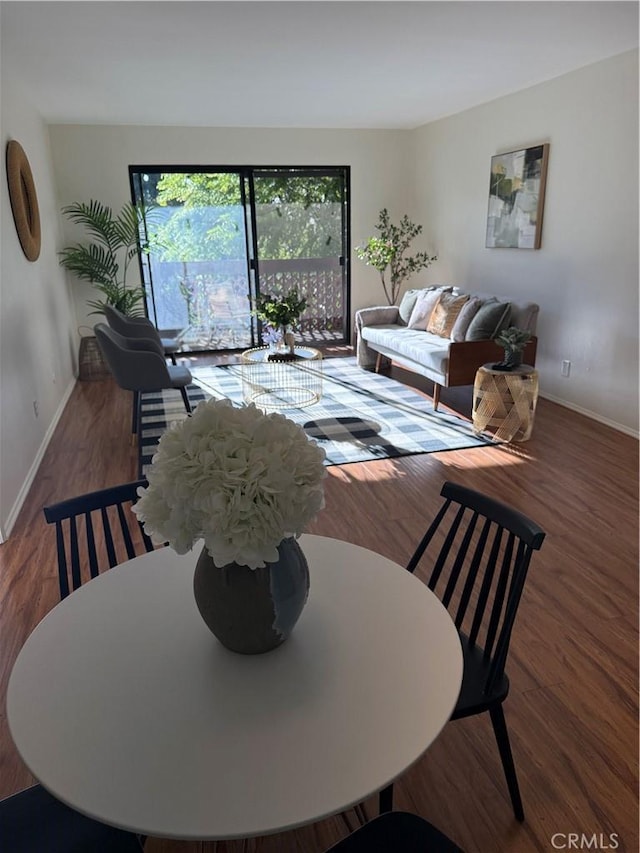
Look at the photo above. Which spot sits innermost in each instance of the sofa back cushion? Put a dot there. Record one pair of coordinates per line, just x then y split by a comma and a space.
466, 315
445, 314
423, 309
490, 319
524, 315
408, 303
410, 297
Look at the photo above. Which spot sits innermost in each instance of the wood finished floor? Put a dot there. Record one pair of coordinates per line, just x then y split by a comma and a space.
572, 711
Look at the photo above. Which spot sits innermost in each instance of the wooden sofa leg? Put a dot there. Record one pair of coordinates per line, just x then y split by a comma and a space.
378, 362
436, 396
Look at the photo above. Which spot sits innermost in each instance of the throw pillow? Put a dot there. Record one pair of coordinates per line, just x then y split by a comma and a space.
421, 314
445, 314
466, 315
408, 303
490, 319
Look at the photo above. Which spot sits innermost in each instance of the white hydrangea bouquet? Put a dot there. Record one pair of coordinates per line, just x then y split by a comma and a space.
240, 479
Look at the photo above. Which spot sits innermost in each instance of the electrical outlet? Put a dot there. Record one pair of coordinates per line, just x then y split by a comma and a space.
36, 410
566, 368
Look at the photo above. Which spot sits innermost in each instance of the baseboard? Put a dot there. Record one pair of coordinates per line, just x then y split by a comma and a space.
33, 470
593, 415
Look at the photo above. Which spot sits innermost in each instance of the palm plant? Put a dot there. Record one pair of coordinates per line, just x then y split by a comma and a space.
105, 261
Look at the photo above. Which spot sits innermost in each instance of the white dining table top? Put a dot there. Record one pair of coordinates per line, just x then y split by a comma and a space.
125, 706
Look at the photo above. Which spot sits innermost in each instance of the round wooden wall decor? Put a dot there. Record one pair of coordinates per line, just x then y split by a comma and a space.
24, 201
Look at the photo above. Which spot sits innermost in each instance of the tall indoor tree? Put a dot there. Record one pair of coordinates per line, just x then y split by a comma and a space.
386, 253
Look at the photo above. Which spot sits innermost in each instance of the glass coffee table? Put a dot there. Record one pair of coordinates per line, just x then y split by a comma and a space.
272, 383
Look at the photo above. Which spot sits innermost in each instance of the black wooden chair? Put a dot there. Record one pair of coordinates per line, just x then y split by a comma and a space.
112, 533
33, 821
477, 566
396, 832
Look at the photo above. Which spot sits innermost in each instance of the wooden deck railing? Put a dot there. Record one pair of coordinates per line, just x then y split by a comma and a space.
201, 295
319, 280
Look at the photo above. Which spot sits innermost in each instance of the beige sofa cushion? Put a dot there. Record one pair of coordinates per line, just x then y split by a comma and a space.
426, 349
421, 314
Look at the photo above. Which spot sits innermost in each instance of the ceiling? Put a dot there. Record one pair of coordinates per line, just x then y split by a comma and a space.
296, 64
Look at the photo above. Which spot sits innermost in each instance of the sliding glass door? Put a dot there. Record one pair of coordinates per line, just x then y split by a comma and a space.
217, 237
300, 222
196, 273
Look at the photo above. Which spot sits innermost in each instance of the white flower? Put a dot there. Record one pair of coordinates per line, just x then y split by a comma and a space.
239, 479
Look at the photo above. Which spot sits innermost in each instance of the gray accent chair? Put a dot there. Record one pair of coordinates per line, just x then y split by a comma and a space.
139, 365
140, 327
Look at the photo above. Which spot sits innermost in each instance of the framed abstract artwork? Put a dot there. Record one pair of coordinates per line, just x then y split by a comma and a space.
516, 198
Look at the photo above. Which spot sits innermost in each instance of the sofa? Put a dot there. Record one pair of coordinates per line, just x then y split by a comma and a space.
442, 333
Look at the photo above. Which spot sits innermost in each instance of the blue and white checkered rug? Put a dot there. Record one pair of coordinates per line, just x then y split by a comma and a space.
360, 416
158, 409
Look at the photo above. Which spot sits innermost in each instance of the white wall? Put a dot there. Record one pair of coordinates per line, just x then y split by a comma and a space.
585, 276
37, 320
92, 162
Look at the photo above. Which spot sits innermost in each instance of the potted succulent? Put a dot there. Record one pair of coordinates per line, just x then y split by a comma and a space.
513, 340
387, 253
282, 313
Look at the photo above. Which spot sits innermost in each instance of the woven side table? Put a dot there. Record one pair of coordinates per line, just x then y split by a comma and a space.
504, 402
290, 384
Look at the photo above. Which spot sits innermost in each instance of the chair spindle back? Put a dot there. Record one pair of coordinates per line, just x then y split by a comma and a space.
480, 557
112, 533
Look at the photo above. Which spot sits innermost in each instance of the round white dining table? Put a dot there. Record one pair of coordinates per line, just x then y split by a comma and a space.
125, 706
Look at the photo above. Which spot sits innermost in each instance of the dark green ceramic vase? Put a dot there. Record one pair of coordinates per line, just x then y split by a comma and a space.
252, 611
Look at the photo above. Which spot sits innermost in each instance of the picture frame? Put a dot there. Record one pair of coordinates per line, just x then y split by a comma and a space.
517, 183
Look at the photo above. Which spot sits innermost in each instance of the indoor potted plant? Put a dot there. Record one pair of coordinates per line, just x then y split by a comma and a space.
104, 262
387, 253
282, 313
513, 340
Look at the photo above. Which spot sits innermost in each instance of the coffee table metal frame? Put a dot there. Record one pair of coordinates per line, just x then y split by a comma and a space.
277, 385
